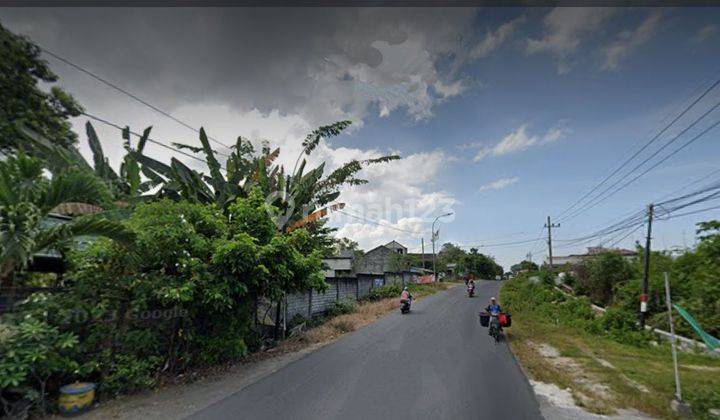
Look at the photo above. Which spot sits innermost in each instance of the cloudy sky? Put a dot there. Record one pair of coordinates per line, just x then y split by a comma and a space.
502, 116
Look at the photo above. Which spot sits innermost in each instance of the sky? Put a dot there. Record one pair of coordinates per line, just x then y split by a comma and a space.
502, 116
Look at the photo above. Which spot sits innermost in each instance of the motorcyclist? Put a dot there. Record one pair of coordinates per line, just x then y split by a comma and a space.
494, 309
405, 295
471, 286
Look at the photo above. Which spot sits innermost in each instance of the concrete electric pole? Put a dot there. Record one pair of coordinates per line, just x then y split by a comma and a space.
549, 227
434, 238
646, 274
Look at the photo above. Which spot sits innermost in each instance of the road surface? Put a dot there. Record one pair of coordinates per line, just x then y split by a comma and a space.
435, 363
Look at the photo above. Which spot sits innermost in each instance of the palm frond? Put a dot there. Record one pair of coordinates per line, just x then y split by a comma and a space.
74, 186
60, 236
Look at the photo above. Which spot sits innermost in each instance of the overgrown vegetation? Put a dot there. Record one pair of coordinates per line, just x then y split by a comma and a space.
608, 349
186, 255
550, 305
611, 280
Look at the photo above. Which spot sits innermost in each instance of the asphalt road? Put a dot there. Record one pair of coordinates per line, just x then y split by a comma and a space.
435, 363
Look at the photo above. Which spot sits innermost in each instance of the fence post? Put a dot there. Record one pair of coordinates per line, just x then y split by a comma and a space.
310, 294
337, 289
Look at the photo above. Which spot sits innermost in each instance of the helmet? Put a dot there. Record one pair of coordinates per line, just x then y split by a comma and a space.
405, 288
492, 298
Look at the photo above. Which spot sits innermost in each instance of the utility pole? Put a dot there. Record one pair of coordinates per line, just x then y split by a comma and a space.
646, 274
549, 227
422, 247
434, 238
435, 234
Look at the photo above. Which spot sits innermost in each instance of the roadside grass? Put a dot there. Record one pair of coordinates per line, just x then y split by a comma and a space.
638, 377
365, 312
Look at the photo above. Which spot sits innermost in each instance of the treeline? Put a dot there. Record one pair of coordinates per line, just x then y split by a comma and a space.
468, 263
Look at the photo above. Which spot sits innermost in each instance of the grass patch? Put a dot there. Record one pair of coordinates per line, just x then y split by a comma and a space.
639, 377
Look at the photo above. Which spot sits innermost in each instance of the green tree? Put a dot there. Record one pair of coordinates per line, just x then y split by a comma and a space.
402, 262
24, 102
451, 254
524, 265
26, 198
603, 274
480, 265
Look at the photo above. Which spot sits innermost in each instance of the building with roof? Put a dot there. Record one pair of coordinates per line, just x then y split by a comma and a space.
592, 252
377, 260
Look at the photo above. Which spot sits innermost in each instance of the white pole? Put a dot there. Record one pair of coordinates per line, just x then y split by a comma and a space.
678, 393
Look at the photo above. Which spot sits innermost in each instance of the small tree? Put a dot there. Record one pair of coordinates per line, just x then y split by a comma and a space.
602, 275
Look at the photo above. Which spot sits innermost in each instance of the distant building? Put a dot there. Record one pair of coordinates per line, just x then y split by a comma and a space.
592, 252
340, 265
397, 247
377, 260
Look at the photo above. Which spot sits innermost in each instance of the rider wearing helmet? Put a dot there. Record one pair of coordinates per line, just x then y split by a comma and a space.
493, 307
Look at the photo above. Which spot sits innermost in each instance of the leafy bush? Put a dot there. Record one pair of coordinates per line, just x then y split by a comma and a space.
621, 326
387, 291
129, 373
32, 352
182, 297
602, 275
341, 307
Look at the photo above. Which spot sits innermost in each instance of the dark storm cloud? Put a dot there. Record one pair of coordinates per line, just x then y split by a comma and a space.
321, 64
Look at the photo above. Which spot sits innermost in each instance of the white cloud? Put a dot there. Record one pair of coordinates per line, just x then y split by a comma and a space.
628, 41
565, 30
520, 140
494, 39
705, 33
400, 195
499, 184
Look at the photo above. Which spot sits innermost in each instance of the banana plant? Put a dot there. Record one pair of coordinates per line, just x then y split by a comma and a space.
294, 195
127, 185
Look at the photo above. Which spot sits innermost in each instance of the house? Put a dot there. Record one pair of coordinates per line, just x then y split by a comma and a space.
377, 260
397, 247
592, 252
340, 265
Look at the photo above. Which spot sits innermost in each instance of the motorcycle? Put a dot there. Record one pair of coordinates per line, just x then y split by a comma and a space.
471, 291
405, 306
495, 329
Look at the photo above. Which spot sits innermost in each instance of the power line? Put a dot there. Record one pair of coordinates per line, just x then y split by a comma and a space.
597, 200
706, 176
174, 149
129, 94
376, 222
500, 244
613, 244
645, 146
690, 212
637, 218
